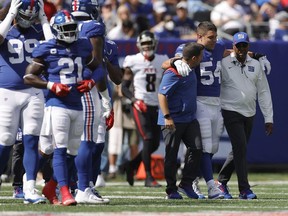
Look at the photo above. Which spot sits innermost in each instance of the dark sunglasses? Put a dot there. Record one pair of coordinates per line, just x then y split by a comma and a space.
239, 45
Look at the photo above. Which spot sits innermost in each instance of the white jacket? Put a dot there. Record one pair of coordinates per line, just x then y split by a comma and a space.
242, 85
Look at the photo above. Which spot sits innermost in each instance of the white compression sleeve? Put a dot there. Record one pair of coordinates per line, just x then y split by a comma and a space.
6, 24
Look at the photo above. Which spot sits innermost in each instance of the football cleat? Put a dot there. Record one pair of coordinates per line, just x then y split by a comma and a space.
247, 194
18, 192
224, 188
32, 196
188, 191
100, 181
174, 195
215, 193
88, 197
151, 182
196, 188
49, 191
67, 198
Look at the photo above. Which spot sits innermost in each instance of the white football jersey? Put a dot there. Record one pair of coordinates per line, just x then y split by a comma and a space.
147, 76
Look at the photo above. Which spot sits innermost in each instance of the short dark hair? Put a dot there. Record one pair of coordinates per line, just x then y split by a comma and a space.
192, 49
205, 26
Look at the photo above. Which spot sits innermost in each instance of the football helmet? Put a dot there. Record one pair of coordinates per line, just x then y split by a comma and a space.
28, 13
147, 43
179, 50
64, 27
85, 8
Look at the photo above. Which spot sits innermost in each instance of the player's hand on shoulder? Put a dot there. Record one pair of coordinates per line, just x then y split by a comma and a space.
85, 85
140, 106
182, 68
59, 89
265, 64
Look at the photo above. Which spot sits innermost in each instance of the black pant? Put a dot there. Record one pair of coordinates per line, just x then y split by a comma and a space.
150, 132
17, 164
190, 134
239, 129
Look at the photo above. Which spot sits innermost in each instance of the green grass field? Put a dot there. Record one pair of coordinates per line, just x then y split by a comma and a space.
271, 189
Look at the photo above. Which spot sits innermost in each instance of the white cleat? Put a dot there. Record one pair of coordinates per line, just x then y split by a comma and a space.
215, 193
100, 181
88, 197
196, 188
32, 196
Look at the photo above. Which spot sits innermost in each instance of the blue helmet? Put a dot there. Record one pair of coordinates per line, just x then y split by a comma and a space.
85, 8
28, 13
64, 27
179, 50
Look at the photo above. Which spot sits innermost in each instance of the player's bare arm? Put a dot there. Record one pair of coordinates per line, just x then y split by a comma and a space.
33, 70
115, 73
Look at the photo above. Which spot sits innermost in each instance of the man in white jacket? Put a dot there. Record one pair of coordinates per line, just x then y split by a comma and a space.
243, 81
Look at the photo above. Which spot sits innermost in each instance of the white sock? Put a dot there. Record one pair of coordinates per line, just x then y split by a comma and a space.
210, 183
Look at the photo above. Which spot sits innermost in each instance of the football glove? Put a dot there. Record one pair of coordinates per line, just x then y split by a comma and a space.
85, 85
59, 89
265, 64
182, 68
140, 106
110, 120
15, 4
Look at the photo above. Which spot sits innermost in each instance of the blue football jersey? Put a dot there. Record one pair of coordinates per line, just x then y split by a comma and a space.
111, 52
89, 29
16, 54
208, 72
64, 64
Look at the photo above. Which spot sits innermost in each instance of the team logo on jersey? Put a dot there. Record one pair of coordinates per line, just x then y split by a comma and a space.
251, 69
53, 51
150, 70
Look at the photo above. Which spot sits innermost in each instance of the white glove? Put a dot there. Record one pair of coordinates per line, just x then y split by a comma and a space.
45, 24
106, 103
106, 107
15, 4
41, 15
182, 68
12, 13
265, 64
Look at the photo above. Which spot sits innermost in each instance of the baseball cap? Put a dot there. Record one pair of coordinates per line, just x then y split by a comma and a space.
179, 50
240, 37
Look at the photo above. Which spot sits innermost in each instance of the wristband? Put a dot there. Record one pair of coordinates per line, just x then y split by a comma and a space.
49, 85
167, 116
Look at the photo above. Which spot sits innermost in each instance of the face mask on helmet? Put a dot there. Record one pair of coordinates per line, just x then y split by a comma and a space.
28, 13
147, 44
85, 8
64, 27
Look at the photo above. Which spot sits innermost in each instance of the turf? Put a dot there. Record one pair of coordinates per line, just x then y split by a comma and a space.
271, 189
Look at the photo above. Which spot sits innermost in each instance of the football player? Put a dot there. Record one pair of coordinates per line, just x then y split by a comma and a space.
62, 59
93, 139
144, 71
21, 103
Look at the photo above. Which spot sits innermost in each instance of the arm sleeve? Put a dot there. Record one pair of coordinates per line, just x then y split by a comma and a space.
126, 91
264, 97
